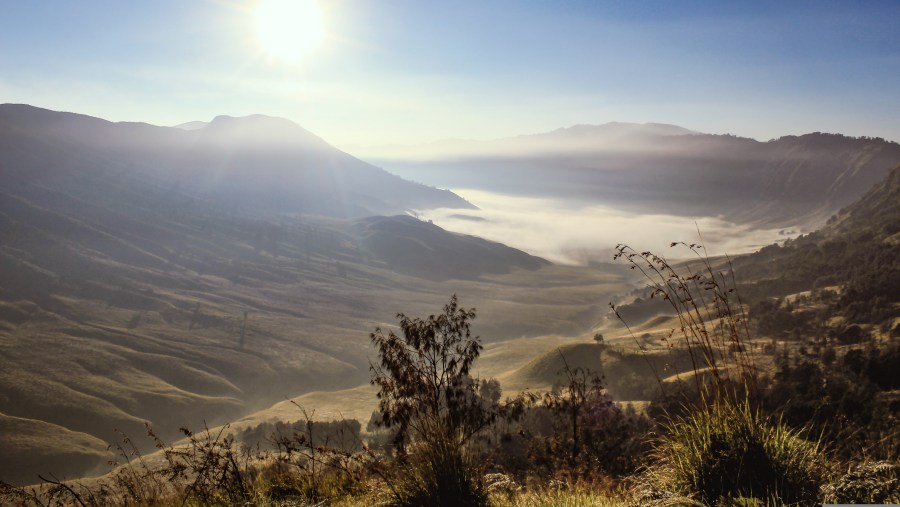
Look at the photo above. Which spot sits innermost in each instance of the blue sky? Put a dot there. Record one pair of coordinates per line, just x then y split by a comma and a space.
406, 71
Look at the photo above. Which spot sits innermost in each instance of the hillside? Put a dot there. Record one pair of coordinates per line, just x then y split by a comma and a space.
423, 249
858, 251
175, 315
877, 214
255, 163
126, 298
652, 168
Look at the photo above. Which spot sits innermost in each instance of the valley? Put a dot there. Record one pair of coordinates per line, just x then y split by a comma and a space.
316, 253
159, 277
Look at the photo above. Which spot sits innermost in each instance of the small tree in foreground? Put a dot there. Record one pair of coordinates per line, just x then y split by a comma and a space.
426, 392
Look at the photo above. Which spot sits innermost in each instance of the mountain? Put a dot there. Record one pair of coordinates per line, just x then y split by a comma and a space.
192, 125
255, 163
575, 139
131, 293
423, 249
653, 168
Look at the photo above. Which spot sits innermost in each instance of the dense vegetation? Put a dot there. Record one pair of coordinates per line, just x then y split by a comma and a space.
820, 428
858, 252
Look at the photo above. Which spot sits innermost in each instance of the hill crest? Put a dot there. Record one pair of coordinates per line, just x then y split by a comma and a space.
257, 162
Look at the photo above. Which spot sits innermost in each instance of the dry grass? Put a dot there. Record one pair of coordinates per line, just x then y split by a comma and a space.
101, 368
712, 324
732, 451
576, 497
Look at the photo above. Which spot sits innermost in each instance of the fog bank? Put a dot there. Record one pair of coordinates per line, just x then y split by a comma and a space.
567, 233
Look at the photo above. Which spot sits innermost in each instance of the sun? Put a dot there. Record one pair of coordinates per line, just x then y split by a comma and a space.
288, 30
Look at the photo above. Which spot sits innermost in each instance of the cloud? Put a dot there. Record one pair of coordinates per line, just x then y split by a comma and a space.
573, 234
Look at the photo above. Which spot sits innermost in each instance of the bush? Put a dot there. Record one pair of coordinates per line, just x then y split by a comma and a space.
426, 393
728, 452
870, 483
438, 473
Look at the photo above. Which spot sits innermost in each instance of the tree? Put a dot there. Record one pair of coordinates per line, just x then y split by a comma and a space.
581, 388
423, 375
426, 393
598, 337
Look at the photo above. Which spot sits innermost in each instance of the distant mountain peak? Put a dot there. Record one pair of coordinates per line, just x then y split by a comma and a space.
253, 121
250, 118
620, 128
191, 125
262, 130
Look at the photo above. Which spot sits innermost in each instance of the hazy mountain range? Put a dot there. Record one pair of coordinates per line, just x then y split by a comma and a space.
657, 168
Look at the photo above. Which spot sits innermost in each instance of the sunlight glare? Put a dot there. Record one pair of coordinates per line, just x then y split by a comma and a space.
288, 30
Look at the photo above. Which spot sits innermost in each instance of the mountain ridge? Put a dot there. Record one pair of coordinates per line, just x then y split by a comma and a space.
423, 249
796, 181
261, 162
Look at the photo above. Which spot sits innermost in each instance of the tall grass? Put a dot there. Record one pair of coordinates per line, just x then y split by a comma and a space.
438, 472
721, 451
558, 498
711, 317
729, 451
210, 469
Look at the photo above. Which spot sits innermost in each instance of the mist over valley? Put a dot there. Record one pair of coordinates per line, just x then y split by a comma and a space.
172, 276
467, 254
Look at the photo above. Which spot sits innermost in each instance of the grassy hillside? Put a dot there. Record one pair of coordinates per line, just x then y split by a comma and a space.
122, 304
32, 444
858, 252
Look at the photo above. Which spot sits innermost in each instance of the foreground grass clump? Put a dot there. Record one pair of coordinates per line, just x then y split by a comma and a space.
557, 498
729, 451
438, 473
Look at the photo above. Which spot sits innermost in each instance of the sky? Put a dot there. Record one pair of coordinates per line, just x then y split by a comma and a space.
398, 72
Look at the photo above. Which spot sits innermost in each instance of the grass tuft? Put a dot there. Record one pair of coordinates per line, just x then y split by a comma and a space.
439, 473
729, 453
557, 497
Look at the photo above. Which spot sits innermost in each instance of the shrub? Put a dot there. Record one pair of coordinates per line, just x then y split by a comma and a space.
870, 483
729, 452
439, 473
426, 393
